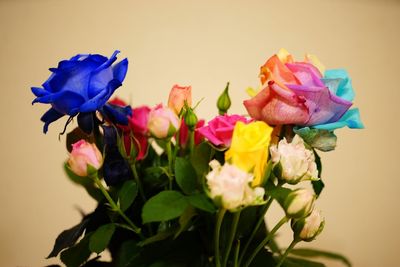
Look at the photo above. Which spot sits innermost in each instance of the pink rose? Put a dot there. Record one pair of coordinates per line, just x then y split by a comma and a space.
177, 97
220, 129
163, 122
82, 155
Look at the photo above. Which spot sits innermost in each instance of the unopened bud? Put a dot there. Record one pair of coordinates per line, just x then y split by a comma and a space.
307, 229
190, 119
299, 203
224, 101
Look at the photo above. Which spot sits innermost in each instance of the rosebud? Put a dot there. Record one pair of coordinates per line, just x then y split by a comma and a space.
224, 101
190, 119
82, 155
299, 203
297, 162
163, 122
307, 229
230, 186
177, 97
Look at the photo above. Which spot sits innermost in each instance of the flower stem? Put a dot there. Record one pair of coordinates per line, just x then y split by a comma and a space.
236, 217
115, 207
291, 246
255, 230
170, 162
220, 217
138, 182
236, 255
191, 141
265, 241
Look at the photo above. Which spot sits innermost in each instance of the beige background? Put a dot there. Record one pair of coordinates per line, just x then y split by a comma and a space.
205, 44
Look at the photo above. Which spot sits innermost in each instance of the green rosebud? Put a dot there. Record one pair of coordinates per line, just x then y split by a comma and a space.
299, 203
190, 118
307, 229
224, 101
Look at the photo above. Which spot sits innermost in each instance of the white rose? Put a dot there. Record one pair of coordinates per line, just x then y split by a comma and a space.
232, 186
298, 162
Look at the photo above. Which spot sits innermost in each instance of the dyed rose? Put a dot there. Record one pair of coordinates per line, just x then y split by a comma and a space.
307, 229
303, 94
184, 133
297, 162
231, 186
163, 122
82, 155
249, 148
82, 84
177, 97
220, 129
137, 127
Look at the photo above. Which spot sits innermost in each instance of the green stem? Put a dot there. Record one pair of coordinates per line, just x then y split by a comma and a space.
141, 191
138, 182
236, 217
191, 141
170, 161
291, 246
220, 217
116, 208
265, 241
236, 255
255, 230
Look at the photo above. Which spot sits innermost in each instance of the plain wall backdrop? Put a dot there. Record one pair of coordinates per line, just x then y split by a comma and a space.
203, 44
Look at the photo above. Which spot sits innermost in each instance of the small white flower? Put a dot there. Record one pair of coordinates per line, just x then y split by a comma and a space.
308, 228
232, 186
298, 162
299, 203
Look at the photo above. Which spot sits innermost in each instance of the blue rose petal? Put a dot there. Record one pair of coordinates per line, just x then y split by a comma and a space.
338, 81
84, 83
350, 119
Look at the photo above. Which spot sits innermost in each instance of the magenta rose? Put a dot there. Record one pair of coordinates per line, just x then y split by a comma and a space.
137, 125
220, 129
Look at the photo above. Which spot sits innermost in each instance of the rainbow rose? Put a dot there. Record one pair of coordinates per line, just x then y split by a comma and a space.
303, 94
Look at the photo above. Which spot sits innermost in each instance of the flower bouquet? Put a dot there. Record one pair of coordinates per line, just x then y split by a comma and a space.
174, 190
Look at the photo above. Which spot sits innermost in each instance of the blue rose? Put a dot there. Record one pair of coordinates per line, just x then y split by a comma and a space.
82, 85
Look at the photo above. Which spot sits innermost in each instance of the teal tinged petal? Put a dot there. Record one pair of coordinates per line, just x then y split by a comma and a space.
350, 119
339, 82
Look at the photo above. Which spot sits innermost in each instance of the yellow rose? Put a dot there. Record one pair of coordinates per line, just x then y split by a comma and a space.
249, 148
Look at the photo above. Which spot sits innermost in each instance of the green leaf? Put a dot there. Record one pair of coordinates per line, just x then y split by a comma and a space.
323, 140
184, 220
277, 192
86, 182
201, 202
164, 206
297, 262
310, 253
127, 194
128, 253
200, 158
185, 175
157, 237
319, 185
75, 256
68, 238
101, 237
